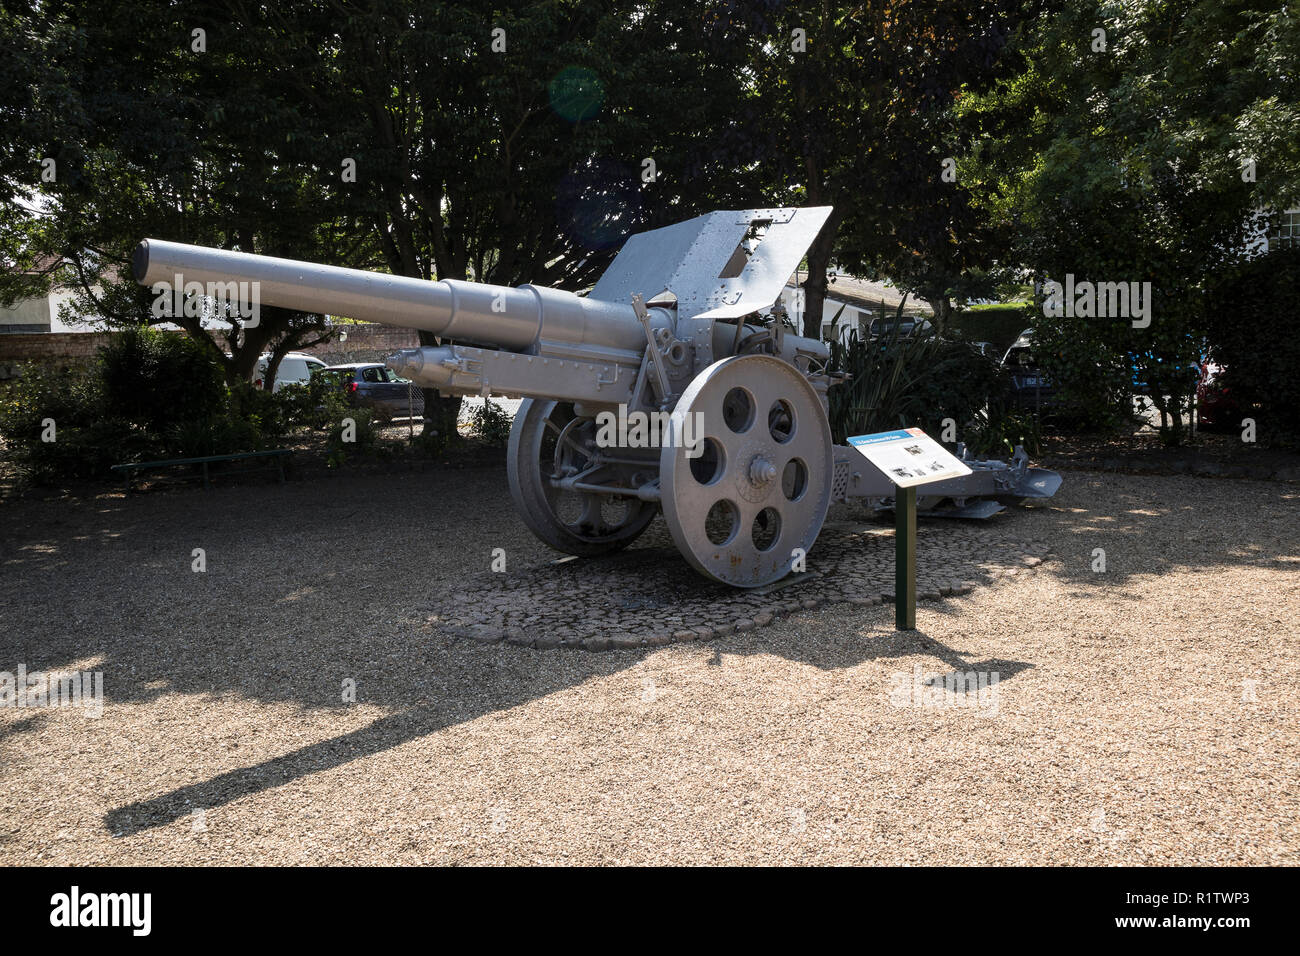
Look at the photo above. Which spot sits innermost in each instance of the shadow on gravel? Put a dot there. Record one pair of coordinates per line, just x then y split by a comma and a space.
383, 734
1117, 527
397, 729
310, 584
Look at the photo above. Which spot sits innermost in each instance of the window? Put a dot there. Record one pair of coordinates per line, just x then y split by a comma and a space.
1286, 231
292, 369
337, 377
379, 373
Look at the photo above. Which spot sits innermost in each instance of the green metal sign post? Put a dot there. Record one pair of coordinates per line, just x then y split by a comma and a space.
907, 457
905, 559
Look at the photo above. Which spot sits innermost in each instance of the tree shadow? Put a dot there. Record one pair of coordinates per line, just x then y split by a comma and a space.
308, 585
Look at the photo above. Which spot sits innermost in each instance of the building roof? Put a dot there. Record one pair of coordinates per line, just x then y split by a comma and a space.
41, 266
865, 293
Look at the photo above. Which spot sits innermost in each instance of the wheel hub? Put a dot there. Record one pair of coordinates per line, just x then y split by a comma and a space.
761, 472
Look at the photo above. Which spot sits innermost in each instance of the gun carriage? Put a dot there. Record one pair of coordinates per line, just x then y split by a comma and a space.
685, 330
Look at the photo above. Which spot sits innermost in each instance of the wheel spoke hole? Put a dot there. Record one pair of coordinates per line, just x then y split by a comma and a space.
738, 410
766, 529
794, 479
722, 522
615, 512
711, 463
569, 508
780, 421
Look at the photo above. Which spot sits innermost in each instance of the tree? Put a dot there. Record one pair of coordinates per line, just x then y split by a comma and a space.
448, 141
850, 101
149, 133
1122, 152
508, 145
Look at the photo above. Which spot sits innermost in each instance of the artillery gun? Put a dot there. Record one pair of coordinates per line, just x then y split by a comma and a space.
685, 334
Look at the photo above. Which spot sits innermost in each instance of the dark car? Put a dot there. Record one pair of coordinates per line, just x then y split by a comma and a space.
377, 387
1030, 388
1216, 406
907, 326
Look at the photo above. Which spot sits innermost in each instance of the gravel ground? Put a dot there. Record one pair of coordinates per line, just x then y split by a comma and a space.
1140, 715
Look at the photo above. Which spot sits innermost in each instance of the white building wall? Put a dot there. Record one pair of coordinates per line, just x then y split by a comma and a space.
1258, 242
853, 316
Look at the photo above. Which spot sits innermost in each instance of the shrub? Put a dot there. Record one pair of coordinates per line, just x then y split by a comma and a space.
917, 381
272, 414
998, 324
1254, 309
157, 378
491, 423
298, 406
151, 395
71, 398
347, 441
85, 442
1091, 380
996, 433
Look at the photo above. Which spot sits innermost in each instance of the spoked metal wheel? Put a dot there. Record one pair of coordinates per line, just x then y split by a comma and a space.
546, 442
762, 486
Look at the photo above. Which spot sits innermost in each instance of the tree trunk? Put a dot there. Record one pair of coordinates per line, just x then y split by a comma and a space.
441, 413
942, 308
814, 287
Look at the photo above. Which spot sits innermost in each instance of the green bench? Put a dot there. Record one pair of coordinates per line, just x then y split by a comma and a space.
273, 457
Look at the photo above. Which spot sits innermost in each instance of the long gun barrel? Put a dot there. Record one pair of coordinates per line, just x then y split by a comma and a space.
493, 315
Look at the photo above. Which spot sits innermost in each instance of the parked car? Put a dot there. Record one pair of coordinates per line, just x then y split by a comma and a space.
378, 387
1216, 406
295, 369
886, 328
1030, 388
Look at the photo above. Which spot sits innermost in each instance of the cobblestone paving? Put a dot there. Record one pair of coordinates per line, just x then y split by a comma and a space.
648, 595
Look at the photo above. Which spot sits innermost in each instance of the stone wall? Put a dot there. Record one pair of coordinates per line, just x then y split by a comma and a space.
364, 343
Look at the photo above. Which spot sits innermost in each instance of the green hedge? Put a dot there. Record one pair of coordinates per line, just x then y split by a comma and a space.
149, 394
1254, 317
996, 324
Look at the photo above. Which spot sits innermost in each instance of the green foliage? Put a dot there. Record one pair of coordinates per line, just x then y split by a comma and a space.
1090, 376
999, 325
859, 120
154, 378
1146, 183
151, 395
431, 443
915, 381
995, 433
293, 406
491, 423
70, 397
85, 442
222, 434
1254, 321
352, 433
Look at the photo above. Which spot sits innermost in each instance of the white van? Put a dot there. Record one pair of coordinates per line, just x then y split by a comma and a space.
295, 369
